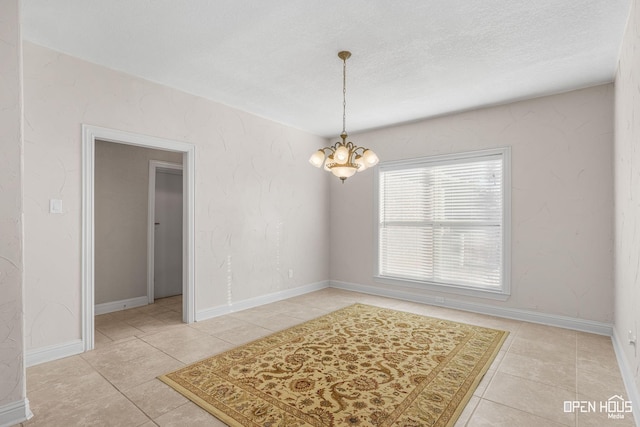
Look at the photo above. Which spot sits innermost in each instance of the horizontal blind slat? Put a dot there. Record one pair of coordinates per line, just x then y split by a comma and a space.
443, 222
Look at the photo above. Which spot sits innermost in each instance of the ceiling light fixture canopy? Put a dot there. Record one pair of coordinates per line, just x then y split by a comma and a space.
343, 158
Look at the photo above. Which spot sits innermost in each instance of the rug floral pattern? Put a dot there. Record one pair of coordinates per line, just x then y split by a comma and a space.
359, 366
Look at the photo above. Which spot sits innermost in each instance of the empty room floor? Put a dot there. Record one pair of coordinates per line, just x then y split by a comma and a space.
537, 370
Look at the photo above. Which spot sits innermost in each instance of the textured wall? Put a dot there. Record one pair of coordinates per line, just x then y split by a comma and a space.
12, 380
260, 207
627, 190
121, 208
562, 203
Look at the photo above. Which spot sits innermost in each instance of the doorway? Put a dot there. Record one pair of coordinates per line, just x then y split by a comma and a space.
89, 136
164, 245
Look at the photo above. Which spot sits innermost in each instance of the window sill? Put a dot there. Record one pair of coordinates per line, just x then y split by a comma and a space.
500, 295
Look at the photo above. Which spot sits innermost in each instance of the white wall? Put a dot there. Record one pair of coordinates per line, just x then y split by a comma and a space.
627, 194
259, 204
562, 214
12, 374
121, 205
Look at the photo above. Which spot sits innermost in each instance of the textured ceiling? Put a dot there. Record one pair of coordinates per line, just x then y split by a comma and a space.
412, 59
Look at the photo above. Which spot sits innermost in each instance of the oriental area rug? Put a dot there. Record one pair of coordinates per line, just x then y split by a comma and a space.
358, 366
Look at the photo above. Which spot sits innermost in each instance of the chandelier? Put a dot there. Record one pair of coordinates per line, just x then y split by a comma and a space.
343, 158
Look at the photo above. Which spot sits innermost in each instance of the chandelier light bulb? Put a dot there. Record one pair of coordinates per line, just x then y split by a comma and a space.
341, 154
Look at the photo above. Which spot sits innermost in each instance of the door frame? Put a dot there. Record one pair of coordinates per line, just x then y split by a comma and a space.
89, 136
154, 167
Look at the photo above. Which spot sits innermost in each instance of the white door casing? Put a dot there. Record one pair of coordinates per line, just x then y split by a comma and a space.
89, 136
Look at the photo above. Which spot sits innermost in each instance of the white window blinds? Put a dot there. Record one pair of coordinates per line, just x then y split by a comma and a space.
442, 220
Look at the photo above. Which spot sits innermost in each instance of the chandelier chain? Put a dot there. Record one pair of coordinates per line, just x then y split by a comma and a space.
344, 95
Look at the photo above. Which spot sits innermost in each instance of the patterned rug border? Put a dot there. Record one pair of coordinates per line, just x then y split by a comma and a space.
223, 416
487, 364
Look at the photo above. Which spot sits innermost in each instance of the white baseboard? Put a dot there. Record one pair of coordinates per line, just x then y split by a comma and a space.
15, 413
37, 356
627, 375
583, 325
110, 307
261, 300
46, 354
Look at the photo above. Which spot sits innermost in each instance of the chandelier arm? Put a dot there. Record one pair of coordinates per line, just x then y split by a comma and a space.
335, 146
331, 149
355, 150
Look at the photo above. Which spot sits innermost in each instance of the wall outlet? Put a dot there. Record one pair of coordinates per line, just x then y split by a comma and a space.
632, 338
55, 206
291, 273
440, 300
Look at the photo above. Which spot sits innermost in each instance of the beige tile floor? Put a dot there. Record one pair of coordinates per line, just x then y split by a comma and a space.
538, 368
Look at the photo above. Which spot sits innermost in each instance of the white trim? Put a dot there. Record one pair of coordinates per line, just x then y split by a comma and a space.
87, 259
261, 300
627, 376
154, 167
188, 235
15, 413
89, 136
567, 322
40, 355
110, 307
506, 219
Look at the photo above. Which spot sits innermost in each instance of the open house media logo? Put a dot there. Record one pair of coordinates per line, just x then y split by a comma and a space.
616, 407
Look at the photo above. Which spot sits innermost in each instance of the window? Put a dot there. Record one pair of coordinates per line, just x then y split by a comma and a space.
445, 220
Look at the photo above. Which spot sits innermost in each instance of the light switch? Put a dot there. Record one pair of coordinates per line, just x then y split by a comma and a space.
55, 206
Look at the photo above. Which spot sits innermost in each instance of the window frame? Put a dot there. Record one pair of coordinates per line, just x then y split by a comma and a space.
504, 291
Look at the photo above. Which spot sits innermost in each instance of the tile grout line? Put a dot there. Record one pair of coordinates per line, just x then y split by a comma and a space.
139, 408
527, 412
522, 410
121, 391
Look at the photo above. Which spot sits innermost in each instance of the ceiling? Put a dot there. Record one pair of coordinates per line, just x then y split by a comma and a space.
412, 59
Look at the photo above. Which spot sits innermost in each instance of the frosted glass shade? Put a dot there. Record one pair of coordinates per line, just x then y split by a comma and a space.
341, 154
343, 172
370, 158
327, 162
361, 163
317, 158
